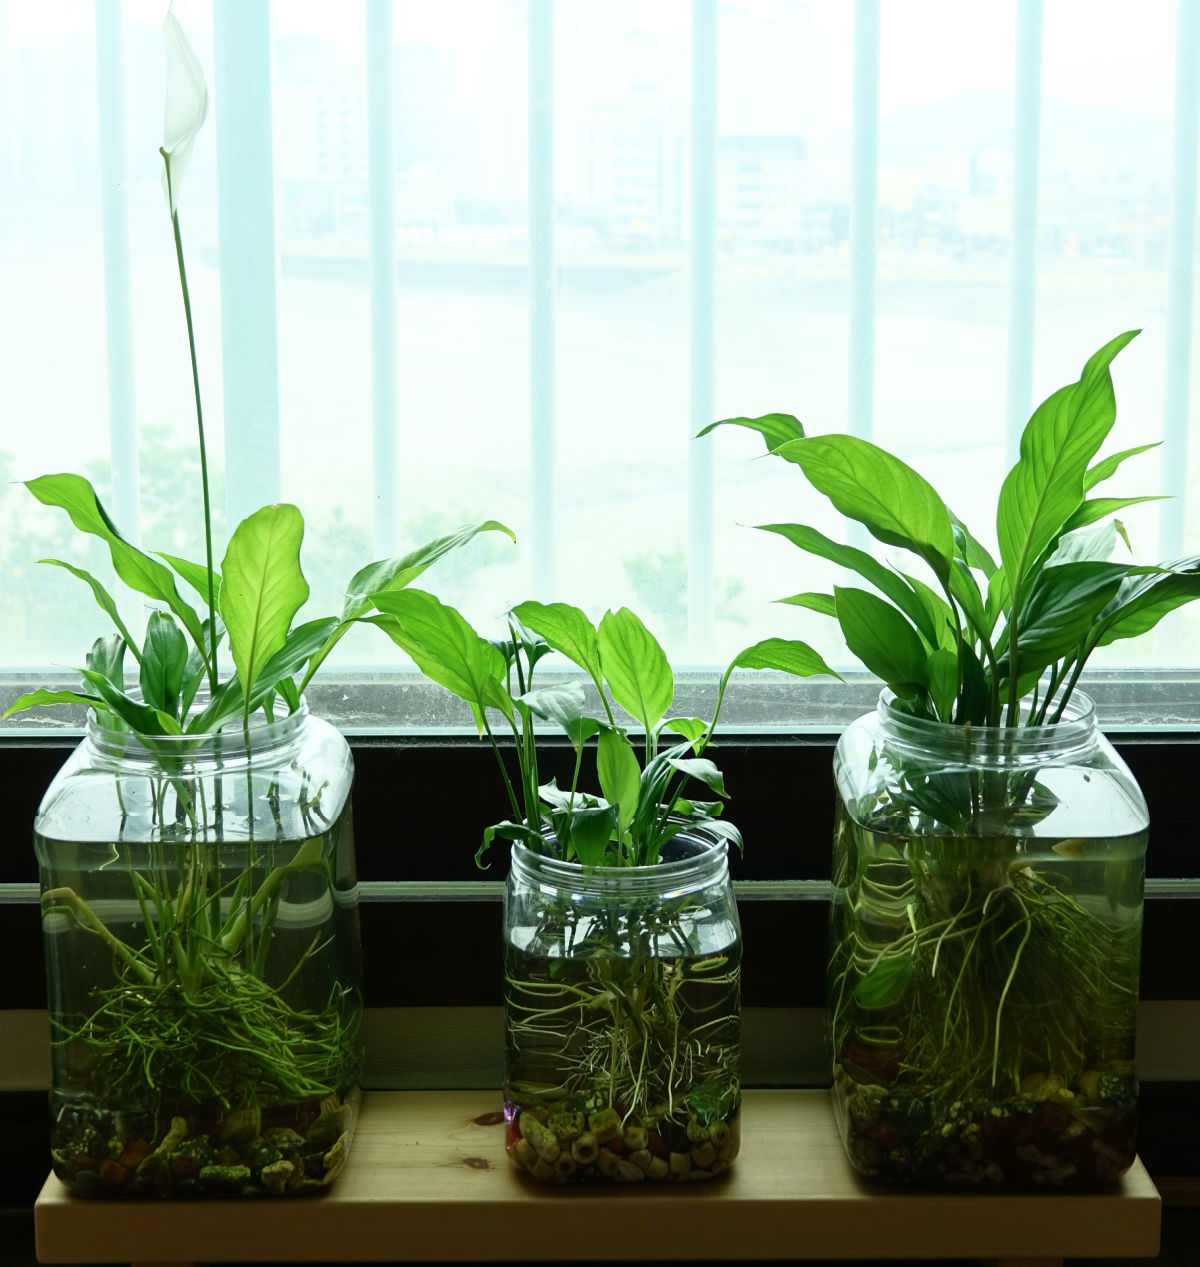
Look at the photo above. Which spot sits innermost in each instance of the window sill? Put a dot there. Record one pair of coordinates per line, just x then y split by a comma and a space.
428, 1181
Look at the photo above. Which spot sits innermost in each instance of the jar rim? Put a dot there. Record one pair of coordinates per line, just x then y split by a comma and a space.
1076, 729
708, 862
229, 742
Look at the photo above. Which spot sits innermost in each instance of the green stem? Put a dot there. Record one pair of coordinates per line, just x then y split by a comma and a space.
1070, 687
191, 333
1013, 666
508, 785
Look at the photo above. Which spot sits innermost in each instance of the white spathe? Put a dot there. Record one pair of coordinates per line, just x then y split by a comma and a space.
186, 104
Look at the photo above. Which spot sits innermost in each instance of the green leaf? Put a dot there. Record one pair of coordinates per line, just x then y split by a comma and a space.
195, 574
968, 549
141, 718
822, 603
974, 698
194, 670
775, 429
635, 667
883, 640
508, 831
1062, 606
703, 769
394, 574
786, 655
567, 630
298, 647
585, 833
262, 586
1108, 467
885, 984
42, 698
562, 703
164, 659
888, 497
103, 598
107, 657
1100, 507
1093, 544
1046, 486
883, 578
446, 649
940, 615
620, 775
76, 496
1142, 601
692, 729
942, 671
966, 593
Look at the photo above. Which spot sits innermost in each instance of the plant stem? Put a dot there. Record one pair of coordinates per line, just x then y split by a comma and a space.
191, 333
508, 786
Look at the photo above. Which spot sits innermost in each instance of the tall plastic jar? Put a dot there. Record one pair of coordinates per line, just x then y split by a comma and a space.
987, 918
623, 1017
203, 961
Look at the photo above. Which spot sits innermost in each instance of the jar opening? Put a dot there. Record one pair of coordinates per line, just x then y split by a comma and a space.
1074, 732
689, 859
230, 743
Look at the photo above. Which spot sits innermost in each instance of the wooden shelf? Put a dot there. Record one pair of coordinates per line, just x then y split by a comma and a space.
428, 1180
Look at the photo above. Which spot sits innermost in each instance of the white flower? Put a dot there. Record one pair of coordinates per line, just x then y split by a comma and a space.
187, 104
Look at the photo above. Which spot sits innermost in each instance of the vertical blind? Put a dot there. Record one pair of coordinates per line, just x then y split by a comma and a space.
505, 257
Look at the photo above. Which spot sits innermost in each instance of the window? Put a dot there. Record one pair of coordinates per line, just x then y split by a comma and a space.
505, 258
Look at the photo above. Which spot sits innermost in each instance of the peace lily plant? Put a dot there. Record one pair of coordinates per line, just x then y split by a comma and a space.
622, 948
221, 1056
989, 847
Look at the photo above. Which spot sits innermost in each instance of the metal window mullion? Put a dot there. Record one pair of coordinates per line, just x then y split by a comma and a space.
703, 323
118, 307
864, 198
543, 511
1023, 279
1180, 279
381, 180
246, 200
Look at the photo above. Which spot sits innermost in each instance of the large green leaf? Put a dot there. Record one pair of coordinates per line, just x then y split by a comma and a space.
445, 648
966, 594
635, 667
142, 718
1107, 468
1046, 486
567, 630
564, 703
1062, 606
703, 769
584, 832
888, 497
139, 571
262, 586
42, 698
883, 640
103, 598
394, 574
1142, 601
775, 429
940, 614
883, 578
194, 670
164, 659
620, 775
785, 655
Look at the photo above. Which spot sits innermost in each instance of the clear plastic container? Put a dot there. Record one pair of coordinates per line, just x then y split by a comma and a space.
987, 925
203, 961
623, 1017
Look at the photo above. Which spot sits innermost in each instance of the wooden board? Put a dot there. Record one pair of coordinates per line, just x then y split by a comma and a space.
428, 1180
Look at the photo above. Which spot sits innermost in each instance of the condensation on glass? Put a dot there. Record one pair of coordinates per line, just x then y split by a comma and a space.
622, 993
987, 920
199, 909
